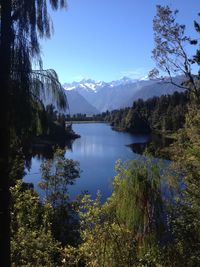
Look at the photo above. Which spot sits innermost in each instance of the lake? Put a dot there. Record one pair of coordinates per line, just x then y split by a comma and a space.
97, 150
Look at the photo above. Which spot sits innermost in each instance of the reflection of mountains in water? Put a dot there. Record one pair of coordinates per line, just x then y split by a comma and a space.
155, 147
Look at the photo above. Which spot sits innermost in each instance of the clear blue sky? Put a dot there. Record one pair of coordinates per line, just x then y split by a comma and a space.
107, 39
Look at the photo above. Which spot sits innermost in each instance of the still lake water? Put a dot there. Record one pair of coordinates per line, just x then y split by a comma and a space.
97, 151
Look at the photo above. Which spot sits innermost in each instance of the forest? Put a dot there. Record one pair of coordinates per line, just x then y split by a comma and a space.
138, 225
165, 114
159, 114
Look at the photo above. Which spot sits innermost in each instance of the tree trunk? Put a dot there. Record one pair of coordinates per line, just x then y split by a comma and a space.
5, 84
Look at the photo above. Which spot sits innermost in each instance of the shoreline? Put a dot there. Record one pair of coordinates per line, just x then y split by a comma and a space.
79, 122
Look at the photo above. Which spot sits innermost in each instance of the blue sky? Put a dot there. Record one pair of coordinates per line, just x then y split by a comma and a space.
107, 39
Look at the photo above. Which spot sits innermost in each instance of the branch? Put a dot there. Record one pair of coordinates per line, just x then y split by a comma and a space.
37, 98
16, 13
176, 84
50, 77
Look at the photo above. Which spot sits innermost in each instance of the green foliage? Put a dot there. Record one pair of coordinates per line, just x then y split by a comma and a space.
158, 114
38, 228
125, 230
51, 127
170, 39
28, 87
171, 54
186, 222
137, 197
105, 242
135, 122
57, 175
22, 24
32, 243
129, 228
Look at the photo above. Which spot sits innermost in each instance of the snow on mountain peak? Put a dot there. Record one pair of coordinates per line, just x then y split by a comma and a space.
101, 96
94, 86
87, 84
145, 78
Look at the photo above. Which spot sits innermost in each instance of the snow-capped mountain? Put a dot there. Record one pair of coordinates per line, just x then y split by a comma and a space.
125, 80
102, 96
86, 84
91, 85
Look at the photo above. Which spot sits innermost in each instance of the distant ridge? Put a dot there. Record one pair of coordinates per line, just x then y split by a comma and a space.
91, 97
78, 104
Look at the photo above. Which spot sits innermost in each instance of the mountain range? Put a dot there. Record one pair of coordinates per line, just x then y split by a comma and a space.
92, 97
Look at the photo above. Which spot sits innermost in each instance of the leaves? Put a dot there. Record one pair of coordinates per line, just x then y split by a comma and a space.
170, 52
32, 243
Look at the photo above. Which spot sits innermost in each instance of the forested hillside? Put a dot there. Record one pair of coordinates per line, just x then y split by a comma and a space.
157, 114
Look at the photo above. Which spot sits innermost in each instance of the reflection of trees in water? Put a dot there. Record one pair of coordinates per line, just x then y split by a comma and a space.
43, 151
154, 146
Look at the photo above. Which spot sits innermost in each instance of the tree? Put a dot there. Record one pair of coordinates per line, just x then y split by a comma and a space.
170, 49
126, 229
135, 122
185, 211
57, 175
32, 241
137, 198
171, 56
22, 23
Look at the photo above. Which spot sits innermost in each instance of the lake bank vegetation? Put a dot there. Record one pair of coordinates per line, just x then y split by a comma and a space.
54, 130
165, 114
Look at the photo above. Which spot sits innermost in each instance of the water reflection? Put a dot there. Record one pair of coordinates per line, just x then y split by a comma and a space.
97, 151
156, 146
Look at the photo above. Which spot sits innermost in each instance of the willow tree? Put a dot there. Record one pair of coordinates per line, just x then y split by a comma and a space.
128, 228
22, 24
